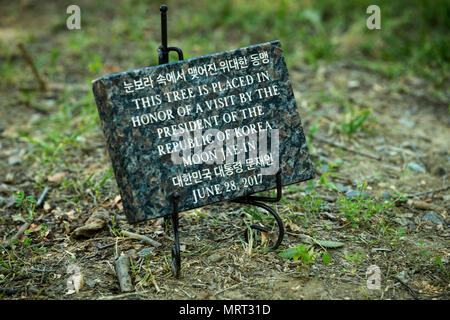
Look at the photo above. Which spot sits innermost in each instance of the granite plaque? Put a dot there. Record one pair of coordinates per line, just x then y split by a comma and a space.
213, 128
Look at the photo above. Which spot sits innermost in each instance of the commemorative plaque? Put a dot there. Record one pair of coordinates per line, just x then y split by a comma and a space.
212, 128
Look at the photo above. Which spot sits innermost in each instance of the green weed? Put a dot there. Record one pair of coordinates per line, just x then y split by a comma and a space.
305, 253
26, 203
359, 210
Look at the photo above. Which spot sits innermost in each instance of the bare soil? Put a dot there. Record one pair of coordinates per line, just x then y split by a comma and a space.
410, 124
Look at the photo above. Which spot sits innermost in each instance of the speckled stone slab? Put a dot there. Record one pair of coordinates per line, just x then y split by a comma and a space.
213, 128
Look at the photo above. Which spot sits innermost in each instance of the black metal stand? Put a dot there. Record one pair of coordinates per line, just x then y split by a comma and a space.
176, 255
163, 50
163, 57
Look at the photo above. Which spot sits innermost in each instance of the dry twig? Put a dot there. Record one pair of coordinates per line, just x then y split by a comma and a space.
143, 238
122, 268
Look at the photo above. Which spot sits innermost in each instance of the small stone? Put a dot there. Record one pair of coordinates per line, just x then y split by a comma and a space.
47, 207
430, 216
215, 257
414, 166
9, 177
353, 194
402, 222
407, 123
353, 84
57, 177
342, 188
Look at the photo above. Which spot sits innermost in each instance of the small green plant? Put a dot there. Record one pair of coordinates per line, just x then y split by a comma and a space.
354, 121
27, 240
304, 252
312, 203
324, 181
97, 186
354, 258
437, 261
353, 210
254, 216
95, 64
358, 210
200, 214
395, 235
114, 230
132, 267
27, 203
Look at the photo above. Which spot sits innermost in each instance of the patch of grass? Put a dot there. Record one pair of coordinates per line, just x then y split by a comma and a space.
305, 253
395, 235
98, 185
359, 210
114, 229
26, 203
355, 258
437, 261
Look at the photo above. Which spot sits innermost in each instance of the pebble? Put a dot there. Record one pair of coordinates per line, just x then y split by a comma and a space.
353, 194
430, 216
407, 123
146, 251
403, 222
414, 166
403, 276
353, 84
14, 160
342, 188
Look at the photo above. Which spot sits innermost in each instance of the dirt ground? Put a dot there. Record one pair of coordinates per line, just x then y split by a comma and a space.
216, 262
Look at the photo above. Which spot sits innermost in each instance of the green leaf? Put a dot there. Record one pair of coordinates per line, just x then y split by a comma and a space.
330, 244
326, 257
